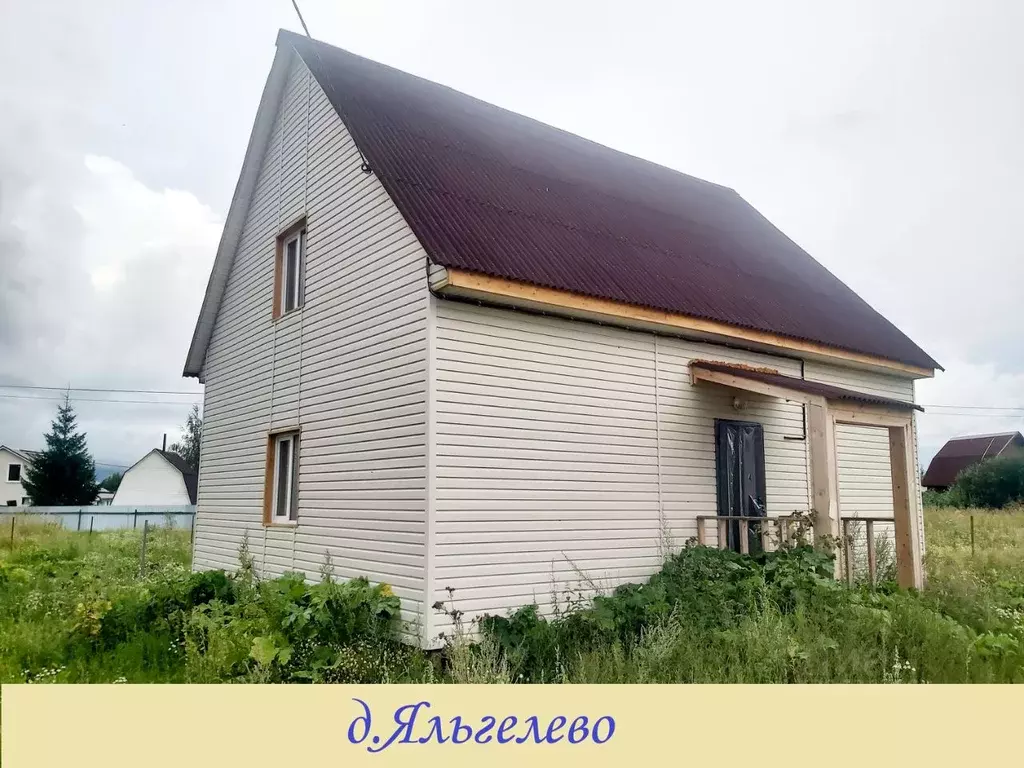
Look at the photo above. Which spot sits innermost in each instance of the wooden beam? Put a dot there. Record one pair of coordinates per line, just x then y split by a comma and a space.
908, 550
869, 415
698, 374
516, 293
824, 491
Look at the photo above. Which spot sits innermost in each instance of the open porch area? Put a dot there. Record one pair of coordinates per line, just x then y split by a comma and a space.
826, 407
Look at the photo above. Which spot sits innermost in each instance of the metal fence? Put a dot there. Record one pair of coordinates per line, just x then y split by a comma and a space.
103, 518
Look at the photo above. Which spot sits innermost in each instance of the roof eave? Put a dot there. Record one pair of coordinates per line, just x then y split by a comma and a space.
479, 287
262, 129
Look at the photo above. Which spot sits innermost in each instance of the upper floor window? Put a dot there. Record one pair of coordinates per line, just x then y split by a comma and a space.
289, 268
14, 473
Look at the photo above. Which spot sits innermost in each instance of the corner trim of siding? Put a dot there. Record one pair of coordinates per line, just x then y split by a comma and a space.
428, 639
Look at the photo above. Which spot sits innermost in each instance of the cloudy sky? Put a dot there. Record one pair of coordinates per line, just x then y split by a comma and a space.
884, 137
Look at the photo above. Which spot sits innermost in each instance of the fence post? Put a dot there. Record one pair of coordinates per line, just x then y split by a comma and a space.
91, 519
135, 520
848, 551
871, 551
972, 535
12, 531
192, 531
79, 518
142, 550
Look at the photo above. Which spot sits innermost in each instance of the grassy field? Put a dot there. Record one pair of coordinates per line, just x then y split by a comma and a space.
74, 608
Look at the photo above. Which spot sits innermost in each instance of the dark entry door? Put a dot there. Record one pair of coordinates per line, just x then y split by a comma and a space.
739, 464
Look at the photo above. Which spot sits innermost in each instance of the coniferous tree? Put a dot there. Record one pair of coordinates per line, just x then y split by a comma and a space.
191, 438
111, 482
63, 474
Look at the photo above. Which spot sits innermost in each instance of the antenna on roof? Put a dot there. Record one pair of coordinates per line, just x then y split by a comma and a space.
365, 165
302, 21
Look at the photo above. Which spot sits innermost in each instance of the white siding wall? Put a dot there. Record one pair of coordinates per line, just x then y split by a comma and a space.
349, 368
151, 482
11, 491
548, 438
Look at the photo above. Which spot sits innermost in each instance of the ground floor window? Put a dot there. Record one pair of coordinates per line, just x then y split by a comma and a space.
282, 488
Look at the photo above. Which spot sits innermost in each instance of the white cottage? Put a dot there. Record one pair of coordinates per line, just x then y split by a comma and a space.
159, 479
457, 348
13, 464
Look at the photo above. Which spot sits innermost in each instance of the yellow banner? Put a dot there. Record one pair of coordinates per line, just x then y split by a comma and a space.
109, 726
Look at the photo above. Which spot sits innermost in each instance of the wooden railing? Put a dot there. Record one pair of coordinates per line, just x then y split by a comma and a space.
869, 532
785, 527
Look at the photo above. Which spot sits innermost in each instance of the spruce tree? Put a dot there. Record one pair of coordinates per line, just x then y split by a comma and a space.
64, 473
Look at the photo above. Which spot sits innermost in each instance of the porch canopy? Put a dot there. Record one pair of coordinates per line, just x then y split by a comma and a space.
826, 406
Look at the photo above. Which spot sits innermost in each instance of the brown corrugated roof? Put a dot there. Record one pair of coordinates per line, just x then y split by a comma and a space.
827, 391
493, 192
962, 452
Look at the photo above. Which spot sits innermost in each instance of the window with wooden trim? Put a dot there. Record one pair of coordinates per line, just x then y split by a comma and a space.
289, 269
14, 473
281, 504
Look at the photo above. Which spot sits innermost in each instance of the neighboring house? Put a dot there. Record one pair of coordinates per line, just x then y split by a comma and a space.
160, 478
104, 497
13, 464
457, 348
960, 453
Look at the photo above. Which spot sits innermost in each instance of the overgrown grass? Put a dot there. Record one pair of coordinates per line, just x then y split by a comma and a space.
74, 608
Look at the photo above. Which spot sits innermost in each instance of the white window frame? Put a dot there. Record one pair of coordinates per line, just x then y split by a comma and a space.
20, 471
299, 239
290, 515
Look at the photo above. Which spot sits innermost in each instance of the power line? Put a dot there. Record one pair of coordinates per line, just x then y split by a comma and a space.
975, 407
51, 398
102, 389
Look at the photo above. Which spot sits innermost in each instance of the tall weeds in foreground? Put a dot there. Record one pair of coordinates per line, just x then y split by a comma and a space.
74, 609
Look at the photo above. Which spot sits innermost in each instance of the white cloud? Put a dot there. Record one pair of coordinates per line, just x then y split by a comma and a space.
110, 302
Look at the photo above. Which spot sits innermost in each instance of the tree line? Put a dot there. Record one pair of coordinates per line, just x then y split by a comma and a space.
64, 473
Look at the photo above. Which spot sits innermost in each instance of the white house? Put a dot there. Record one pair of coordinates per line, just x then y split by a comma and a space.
160, 478
455, 347
13, 464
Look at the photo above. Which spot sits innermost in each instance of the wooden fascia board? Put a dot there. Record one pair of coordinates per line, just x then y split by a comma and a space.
748, 385
457, 282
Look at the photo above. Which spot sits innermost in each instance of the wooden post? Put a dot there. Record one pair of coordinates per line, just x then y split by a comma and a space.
12, 532
824, 487
142, 550
972, 535
848, 551
135, 520
192, 531
871, 551
744, 538
907, 546
91, 518
700, 529
79, 519
765, 535
723, 536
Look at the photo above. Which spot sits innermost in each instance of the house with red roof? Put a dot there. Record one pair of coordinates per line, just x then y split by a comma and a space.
959, 453
458, 349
